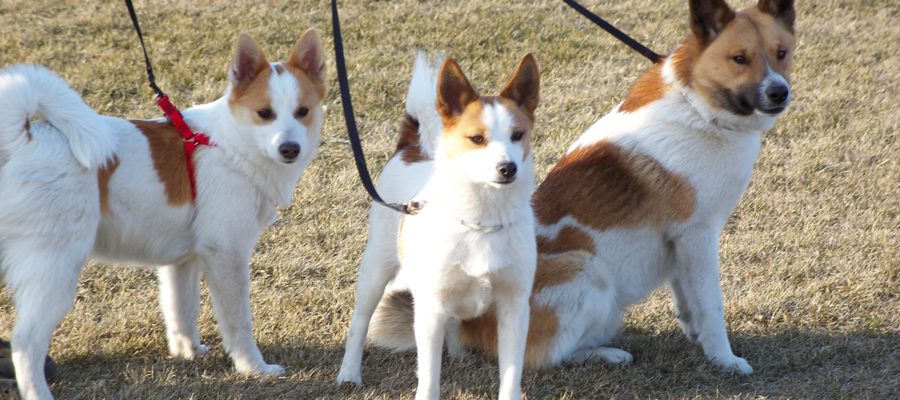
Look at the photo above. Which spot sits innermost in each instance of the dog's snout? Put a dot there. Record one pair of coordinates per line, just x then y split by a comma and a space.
289, 150
778, 93
507, 169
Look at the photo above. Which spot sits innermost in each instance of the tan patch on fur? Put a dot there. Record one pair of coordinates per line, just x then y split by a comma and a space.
543, 325
247, 98
311, 94
408, 144
167, 152
557, 269
604, 186
569, 238
458, 130
104, 174
647, 89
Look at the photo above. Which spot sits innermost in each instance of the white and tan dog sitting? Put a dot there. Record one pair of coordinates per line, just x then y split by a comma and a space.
79, 184
471, 250
641, 198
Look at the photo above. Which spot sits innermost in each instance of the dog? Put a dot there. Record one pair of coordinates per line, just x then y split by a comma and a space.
79, 184
640, 199
465, 161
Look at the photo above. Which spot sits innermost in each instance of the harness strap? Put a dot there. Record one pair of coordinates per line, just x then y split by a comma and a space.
612, 30
352, 132
190, 139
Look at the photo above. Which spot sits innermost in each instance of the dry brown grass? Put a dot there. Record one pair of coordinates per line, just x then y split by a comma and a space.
810, 259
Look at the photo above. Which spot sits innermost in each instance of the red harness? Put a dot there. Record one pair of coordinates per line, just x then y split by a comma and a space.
190, 138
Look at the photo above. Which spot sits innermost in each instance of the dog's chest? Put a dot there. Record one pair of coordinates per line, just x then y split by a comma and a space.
462, 295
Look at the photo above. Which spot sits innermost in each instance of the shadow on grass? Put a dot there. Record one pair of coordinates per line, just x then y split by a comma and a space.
787, 364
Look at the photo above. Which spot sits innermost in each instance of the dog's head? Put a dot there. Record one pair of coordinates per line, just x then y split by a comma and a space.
488, 138
739, 62
278, 106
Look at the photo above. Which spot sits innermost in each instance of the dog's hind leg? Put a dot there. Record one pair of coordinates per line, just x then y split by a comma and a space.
179, 299
43, 286
379, 264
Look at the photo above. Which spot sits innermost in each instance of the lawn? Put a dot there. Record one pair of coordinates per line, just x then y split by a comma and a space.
810, 258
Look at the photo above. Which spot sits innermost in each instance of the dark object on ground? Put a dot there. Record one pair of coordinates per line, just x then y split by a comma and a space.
6, 365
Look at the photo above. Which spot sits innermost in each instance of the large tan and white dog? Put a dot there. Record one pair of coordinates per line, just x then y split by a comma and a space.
78, 183
641, 198
471, 250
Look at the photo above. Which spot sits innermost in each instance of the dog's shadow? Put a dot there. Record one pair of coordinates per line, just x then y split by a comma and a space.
788, 364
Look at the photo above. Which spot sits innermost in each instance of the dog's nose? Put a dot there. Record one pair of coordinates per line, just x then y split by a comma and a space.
289, 150
777, 93
507, 169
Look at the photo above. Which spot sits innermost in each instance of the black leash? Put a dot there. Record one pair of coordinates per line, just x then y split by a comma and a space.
612, 30
137, 28
352, 132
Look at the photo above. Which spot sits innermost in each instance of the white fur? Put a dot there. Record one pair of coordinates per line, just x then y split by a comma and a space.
50, 218
473, 236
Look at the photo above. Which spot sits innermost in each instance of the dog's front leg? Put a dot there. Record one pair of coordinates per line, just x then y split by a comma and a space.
429, 325
179, 299
228, 276
512, 329
697, 295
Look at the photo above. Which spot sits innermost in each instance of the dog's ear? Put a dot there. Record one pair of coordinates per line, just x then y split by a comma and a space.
708, 18
524, 86
309, 57
249, 61
782, 10
454, 90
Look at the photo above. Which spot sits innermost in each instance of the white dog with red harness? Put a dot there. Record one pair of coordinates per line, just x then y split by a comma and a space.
79, 184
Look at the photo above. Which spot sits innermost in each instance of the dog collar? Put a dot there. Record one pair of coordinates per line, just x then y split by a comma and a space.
714, 121
481, 228
413, 207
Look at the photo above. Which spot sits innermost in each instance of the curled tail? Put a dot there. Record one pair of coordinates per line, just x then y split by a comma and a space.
422, 125
392, 324
28, 90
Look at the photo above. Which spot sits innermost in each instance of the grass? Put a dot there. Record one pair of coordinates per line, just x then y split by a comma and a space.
810, 259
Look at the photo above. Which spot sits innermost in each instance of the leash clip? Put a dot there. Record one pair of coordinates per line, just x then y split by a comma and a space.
413, 207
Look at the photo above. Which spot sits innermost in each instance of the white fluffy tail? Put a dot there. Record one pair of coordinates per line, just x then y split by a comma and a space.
420, 101
28, 90
392, 324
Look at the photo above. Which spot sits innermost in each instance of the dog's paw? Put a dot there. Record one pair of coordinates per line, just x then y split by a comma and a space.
348, 377
733, 365
271, 370
614, 356
186, 348
609, 355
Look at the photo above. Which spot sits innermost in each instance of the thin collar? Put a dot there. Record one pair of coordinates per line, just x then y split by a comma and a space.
482, 228
413, 207
714, 121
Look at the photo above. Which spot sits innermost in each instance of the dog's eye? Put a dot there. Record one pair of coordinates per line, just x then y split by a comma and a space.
265, 113
517, 136
301, 112
477, 139
781, 54
740, 59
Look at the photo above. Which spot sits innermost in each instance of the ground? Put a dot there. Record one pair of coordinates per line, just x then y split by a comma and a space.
810, 258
